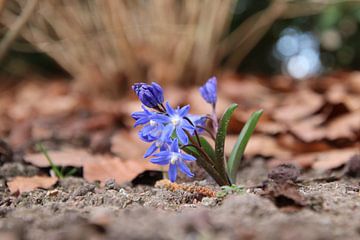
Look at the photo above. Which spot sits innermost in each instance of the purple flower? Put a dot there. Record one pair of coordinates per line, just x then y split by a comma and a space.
208, 91
175, 159
151, 132
150, 95
142, 117
199, 122
161, 142
175, 119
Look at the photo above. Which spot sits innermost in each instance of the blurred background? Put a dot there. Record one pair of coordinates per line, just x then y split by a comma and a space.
105, 46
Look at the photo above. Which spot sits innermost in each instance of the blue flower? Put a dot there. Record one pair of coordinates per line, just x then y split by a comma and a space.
150, 95
199, 121
142, 117
175, 159
161, 142
208, 91
151, 131
175, 119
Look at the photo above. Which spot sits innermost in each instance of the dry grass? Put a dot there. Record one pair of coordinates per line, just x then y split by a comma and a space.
105, 43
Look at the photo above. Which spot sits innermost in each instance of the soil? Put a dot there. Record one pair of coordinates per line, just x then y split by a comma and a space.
76, 209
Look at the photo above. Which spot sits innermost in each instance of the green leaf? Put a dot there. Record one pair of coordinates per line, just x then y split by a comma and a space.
240, 145
220, 140
55, 168
205, 164
207, 148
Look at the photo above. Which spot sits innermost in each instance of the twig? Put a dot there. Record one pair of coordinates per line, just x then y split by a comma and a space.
15, 29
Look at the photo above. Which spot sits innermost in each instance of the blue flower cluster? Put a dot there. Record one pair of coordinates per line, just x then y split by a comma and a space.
167, 128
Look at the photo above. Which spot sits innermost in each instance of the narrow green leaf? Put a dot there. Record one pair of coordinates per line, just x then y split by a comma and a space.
71, 172
208, 148
55, 168
205, 164
240, 145
220, 139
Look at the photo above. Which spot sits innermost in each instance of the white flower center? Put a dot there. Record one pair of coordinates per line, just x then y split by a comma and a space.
173, 159
152, 123
175, 120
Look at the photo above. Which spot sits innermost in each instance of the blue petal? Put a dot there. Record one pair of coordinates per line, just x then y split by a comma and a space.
187, 126
160, 118
184, 110
169, 109
160, 161
184, 168
174, 146
187, 157
150, 150
172, 172
162, 154
181, 135
141, 121
166, 134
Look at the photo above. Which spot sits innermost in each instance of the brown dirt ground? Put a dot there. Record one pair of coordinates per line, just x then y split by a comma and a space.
76, 209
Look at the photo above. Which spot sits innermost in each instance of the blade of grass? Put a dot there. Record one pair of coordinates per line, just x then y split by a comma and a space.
71, 172
56, 170
240, 145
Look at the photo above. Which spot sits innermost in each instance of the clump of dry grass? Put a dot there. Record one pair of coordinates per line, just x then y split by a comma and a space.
101, 42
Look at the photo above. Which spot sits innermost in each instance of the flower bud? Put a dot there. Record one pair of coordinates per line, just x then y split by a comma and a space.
150, 95
208, 91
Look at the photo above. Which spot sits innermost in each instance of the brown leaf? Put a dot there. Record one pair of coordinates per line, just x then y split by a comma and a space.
128, 145
65, 157
258, 145
332, 159
346, 126
298, 106
26, 184
107, 167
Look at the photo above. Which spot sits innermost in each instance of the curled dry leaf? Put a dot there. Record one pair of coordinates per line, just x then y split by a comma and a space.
298, 105
26, 184
107, 167
346, 127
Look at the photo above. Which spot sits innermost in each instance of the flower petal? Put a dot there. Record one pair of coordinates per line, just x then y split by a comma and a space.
169, 109
184, 110
150, 150
175, 146
172, 172
187, 157
184, 168
160, 118
160, 160
181, 135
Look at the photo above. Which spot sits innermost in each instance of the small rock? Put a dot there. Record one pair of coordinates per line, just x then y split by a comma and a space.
353, 166
111, 185
6, 153
83, 190
284, 172
209, 202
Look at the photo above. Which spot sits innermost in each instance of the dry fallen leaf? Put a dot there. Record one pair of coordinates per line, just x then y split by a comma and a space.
107, 167
26, 184
64, 157
345, 126
258, 145
128, 145
298, 105
332, 159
